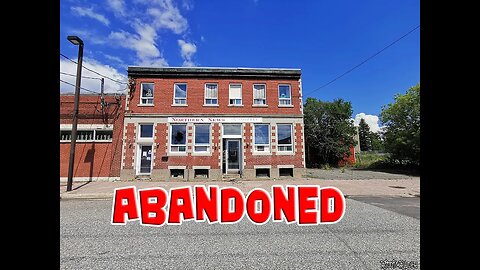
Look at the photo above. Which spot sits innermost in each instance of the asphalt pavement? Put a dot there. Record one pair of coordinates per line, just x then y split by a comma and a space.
366, 237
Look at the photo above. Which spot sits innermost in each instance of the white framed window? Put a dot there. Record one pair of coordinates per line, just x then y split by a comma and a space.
262, 137
284, 136
145, 131
211, 94
284, 94
180, 94
178, 138
235, 94
202, 138
259, 94
146, 93
87, 135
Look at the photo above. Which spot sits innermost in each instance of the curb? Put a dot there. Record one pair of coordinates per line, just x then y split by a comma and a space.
93, 196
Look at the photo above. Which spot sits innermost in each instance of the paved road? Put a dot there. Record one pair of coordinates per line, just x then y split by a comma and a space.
365, 236
409, 206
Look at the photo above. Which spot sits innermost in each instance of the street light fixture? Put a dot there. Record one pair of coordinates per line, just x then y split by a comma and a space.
75, 41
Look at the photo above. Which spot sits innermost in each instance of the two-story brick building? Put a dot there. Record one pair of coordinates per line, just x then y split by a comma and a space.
188, 123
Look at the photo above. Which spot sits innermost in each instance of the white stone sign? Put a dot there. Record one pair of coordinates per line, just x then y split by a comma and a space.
214, 120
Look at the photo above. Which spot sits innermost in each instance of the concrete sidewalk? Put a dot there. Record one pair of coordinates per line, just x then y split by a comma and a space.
372, 187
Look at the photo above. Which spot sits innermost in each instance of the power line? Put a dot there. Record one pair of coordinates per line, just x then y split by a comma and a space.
73, 75
80, 87
364, 61
93, 70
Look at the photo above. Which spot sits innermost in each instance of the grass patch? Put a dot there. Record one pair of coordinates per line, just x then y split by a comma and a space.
380, 162
365, 160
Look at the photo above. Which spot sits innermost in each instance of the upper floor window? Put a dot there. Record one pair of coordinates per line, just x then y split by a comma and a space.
211, 94
202, 138
284, 95
235, 94
146, 131
259, 94
146, 93
262, 138
180, 93
284, 137
178, 136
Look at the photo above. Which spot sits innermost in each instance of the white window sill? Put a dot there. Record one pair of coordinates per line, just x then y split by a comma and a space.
145, 105
286, 106
285, 153
179, 105
266, 153
260, 105
201, 154
210, 105
177, 154
235, 105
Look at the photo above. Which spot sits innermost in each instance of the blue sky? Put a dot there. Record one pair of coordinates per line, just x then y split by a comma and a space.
323, 38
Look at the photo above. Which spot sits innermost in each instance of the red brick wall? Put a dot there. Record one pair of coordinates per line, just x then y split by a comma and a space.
93, 159
163, 97
348, 160
129, 146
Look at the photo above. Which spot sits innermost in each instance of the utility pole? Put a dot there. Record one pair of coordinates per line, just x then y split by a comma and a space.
76, 41
102, 98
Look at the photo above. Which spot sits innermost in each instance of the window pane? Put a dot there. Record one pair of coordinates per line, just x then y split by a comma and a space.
146, 131
261, 134
235, 91
103, 135
202, 134
178, 134
284, 91
258, 91
147, 89
180, 90
232, 129
211, 91
284, 134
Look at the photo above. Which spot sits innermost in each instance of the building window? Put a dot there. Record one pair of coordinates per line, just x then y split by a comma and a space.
202, 138
87, 135
211, 94
235, 94
284, 95
262, 138
284, 138
232, 129
180, 93
178, 138
259, 94
146, 93
146, 131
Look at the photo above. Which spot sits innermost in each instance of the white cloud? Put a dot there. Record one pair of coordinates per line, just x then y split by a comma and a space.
143, 43
113, 58
187, 50
69, 67
371, 120
187, 4
166, 15
88, 12
118, 7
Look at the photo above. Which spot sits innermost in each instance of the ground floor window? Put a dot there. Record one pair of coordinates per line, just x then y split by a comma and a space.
263, 172
178, 138
285, 172
177, 173
202, 138
262, 138
284, 137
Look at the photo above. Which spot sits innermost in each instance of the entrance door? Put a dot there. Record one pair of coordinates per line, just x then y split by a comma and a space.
145, 159
233, 156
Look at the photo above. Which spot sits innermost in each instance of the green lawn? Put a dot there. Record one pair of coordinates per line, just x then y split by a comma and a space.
364, 160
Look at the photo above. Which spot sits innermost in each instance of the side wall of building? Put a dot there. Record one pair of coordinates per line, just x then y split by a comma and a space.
94, 160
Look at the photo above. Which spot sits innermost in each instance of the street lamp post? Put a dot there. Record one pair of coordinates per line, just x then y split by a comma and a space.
76, 41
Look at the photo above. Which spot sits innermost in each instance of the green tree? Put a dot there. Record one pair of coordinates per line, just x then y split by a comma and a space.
329, 131
364, 135
402, 127
377, 142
